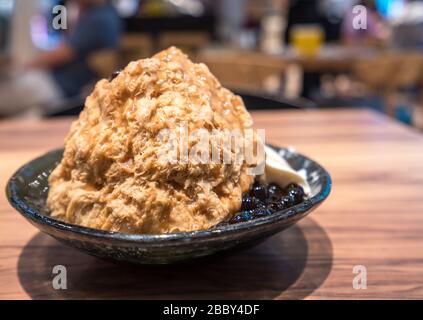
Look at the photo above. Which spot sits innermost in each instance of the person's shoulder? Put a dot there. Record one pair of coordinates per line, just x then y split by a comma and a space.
106, 17
105, 12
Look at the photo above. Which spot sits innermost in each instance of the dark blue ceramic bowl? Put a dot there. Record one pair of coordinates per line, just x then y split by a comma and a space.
27, 192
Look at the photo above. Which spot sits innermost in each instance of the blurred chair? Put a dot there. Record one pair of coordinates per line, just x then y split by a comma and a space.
135, 46
245, 71
104, 62
188, 41
254, 75
392, 75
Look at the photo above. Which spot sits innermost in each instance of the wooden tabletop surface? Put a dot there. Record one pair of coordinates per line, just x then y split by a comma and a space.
373, 218
336, 58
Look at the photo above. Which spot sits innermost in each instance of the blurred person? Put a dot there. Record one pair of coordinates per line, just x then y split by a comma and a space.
407, 30
333, 12
21, 47
63, 72
377, 30
231, 19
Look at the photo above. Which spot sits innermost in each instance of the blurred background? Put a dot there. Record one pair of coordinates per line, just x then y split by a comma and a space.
276, 53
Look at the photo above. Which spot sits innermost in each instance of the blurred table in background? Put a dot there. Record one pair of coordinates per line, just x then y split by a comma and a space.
373, 218
385, 73
278, 74
331, 58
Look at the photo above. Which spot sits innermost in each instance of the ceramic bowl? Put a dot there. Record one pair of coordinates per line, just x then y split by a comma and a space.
27, 191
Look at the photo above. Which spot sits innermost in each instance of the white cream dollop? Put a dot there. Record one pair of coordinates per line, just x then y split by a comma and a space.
279, 171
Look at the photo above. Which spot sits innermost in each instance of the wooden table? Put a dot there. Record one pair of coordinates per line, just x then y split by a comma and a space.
373, 218
331, 58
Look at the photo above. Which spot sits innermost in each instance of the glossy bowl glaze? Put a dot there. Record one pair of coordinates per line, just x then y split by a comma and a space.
27, 191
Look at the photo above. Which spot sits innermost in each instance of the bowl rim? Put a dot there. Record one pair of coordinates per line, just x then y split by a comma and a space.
28, 212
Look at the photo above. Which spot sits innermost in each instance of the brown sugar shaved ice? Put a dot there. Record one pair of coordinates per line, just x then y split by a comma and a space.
110, 177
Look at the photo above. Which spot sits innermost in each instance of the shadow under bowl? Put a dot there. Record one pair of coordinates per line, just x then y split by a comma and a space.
27, 192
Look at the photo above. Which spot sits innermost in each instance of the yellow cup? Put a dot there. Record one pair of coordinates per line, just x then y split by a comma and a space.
307, 39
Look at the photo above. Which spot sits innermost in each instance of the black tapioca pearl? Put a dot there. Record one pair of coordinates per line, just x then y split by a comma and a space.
292, 186
250, 203
297, 195
259, 191
262, 212
274, 191
285, 203
242, 217
273, 206
235, 219
115, 74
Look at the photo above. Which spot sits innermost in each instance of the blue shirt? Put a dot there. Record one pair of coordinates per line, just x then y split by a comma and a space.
97, 29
